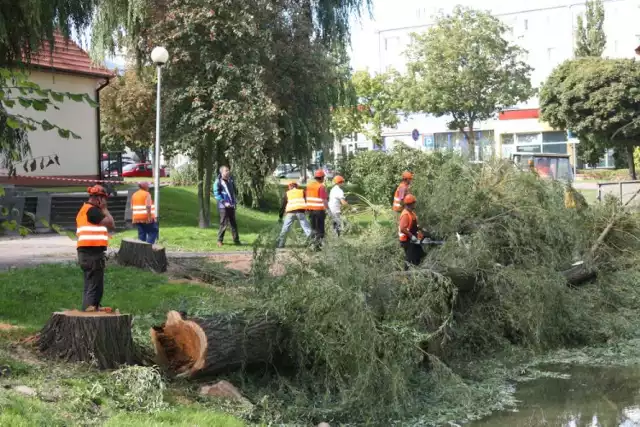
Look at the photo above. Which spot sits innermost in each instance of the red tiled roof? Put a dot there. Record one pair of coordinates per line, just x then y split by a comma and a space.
68, 57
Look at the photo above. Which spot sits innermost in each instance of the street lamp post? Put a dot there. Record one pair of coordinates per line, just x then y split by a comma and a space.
159, 56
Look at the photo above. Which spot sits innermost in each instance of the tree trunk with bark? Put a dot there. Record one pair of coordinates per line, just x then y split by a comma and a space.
100, 338
631, 163
143, 255
203, 220
193, 347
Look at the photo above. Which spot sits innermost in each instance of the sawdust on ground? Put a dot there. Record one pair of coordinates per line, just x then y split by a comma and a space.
243, 261
8, 327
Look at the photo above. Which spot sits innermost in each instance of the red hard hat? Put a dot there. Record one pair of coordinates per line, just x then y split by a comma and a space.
97, 191
338, 179
407, 175
319, 173
409, 199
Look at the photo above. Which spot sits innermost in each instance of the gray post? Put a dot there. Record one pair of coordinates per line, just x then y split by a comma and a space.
156, 169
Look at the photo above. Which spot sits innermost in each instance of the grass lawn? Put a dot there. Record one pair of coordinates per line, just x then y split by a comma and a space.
591, 196
75, 394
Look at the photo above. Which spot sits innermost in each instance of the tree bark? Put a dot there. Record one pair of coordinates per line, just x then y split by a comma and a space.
142, 255
98, 337
631, 163
203, 220
209, 166
471, 141
195, 347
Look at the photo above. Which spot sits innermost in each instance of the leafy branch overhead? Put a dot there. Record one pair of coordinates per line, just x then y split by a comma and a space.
17, 91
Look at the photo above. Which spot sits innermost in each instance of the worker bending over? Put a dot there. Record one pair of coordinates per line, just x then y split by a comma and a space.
294, 205
410, 236
402, 191
92, 224
317, 205
143, 214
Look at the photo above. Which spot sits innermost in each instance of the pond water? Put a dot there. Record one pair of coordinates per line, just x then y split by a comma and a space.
584, 396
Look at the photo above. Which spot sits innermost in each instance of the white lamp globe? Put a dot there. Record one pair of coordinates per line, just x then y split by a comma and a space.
159, 55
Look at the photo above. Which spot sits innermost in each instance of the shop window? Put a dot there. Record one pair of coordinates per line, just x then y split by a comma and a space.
527, 138
554, 148
529, 149
554, 137
507, 138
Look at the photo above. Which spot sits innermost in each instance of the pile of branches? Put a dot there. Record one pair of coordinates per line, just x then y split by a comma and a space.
370, 342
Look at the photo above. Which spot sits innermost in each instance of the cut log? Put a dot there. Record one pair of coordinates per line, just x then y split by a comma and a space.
579, 273
142, 255
211, 345
93, 337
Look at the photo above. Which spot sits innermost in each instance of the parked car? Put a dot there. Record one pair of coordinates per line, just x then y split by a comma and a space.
140, 170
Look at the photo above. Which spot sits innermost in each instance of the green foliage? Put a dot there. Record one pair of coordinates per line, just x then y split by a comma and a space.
590, 36
362, 331
185, 175
377, 107
595, 98
127, 112
377, 174
465, 69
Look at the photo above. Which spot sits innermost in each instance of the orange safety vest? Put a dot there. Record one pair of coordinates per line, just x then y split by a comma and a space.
139, 207
90, 234
397, 201
295, 200
413, 225
314, 201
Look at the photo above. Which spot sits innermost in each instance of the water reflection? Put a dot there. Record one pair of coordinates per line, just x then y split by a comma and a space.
591, 397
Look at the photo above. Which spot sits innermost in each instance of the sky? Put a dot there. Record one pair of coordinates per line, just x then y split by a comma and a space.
398, 13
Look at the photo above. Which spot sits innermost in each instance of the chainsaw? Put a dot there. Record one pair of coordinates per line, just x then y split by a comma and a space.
427, 241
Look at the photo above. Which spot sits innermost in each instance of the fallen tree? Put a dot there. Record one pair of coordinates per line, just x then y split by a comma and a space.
216, 344
99, 338
143, 255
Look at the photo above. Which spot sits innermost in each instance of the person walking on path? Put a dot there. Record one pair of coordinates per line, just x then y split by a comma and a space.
224, 191
92, 228
317, 205
409, 234
143, 214
336, 201
402, 191
294, 205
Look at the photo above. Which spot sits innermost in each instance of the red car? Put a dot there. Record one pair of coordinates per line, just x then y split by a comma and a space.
140, 170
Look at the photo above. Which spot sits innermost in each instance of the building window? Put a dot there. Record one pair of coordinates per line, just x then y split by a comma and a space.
527, 138
507, 139
529, 149
554, 148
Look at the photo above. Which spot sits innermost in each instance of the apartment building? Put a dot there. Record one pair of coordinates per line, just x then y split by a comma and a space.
546, 30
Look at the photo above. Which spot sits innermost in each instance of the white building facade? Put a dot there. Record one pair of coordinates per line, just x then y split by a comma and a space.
546, 30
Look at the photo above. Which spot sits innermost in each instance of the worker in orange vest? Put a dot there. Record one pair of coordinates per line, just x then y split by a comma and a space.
410, 234
295, 206
317, 206
143, 214
402, 191
92, 224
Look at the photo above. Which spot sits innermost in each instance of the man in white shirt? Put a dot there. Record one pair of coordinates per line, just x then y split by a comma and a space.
336, 201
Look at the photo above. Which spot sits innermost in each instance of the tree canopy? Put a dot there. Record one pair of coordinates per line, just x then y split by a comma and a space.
465, 69
598, 100
127, 112
376, 107
590, 36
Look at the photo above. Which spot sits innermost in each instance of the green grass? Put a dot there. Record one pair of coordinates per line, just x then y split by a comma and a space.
591, 196
67, 393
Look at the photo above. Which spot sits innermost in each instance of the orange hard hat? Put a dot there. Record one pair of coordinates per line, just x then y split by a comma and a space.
319, 173
409, 199
407, 175
97, 191
338, 179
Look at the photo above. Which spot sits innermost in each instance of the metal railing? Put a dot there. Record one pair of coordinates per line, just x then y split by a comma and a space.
623, 190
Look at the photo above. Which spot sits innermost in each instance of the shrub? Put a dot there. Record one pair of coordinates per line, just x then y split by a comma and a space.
185, 175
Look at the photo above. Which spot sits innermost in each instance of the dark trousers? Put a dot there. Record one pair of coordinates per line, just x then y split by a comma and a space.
413, 254
92, 265
317, 218
148, 232
228, 219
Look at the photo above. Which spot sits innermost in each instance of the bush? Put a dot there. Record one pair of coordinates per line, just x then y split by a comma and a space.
185, 175
377, 174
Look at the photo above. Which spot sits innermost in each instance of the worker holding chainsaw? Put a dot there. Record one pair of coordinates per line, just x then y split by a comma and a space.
402, 191
410, 234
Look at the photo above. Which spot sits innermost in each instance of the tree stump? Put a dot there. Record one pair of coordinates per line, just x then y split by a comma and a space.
142, 255
94, 337
215, 344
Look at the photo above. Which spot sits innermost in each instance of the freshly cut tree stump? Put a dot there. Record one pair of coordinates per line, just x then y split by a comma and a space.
196, 347
142, 255
94, 337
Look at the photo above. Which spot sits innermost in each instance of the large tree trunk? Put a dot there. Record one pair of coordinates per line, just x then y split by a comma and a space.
142, 255
209, 165
203, 219
206, 346
631, 163
96, 337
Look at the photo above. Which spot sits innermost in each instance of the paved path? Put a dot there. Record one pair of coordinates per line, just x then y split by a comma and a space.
585, 185
47, 249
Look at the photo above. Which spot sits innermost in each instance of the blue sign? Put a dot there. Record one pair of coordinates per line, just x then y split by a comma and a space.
428, 141
415, 134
